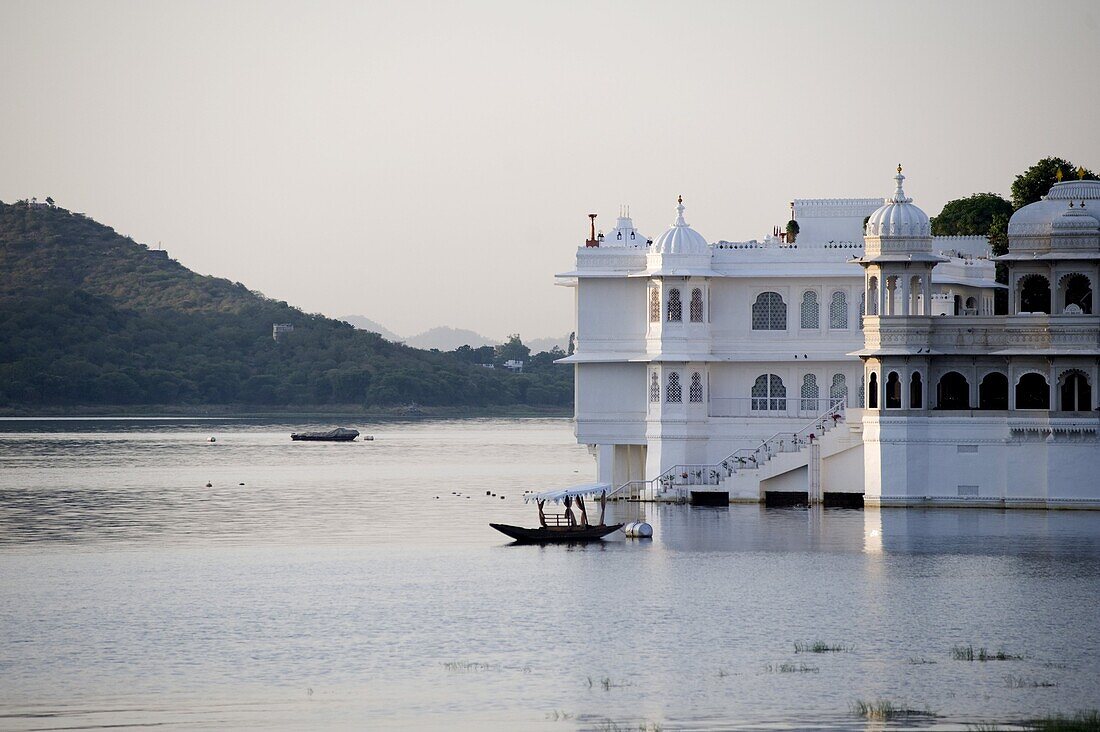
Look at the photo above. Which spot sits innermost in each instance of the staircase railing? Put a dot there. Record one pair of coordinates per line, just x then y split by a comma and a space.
746, 458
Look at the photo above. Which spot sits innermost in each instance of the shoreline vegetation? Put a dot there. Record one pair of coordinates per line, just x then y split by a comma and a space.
92, 322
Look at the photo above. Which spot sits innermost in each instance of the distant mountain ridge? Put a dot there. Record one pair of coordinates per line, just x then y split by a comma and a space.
445, 338
91, 317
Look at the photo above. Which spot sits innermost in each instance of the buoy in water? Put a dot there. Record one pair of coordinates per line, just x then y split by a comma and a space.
209, 485
638, 530
212, 439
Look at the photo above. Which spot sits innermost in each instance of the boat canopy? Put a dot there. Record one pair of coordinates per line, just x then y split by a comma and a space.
557, 496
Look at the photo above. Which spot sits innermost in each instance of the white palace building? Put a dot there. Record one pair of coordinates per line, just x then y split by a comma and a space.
858, 363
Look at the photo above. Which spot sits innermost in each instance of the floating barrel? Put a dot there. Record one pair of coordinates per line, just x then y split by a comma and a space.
638, 530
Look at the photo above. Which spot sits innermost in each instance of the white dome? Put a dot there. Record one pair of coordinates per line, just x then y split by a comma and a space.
898, 217
1037, 219
681, 238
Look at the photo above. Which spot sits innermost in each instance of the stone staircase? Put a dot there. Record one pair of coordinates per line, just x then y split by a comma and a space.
741, 473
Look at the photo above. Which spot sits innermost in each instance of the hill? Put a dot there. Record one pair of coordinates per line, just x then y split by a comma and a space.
362, 322
91, 317
448, 339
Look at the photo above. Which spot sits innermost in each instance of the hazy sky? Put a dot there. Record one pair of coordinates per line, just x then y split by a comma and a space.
433, 163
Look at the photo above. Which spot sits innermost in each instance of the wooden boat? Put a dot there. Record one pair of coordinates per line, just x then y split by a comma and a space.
340, 434
548, 535
563, 527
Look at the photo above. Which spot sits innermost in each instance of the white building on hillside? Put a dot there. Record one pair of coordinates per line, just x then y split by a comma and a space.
744, 370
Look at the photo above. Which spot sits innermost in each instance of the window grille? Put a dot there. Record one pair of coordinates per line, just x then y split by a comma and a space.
809, 310
839, 390
695, 392
862, 308
838, 311
769, 394
673, 394
862, 391
654, 305
809, 393
697, 305
654, 387
769, 312
675, 307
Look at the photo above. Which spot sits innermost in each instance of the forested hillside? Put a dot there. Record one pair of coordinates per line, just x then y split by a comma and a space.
90, 317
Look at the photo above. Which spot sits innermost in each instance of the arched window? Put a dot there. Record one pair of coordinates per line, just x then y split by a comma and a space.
953, 391
893, 391
1032, 392
769, 312
809, 311
675, 307
1034, 294
769, 394
654, 387
971, 306
1078, 293
872, 385
809, 393
696, 309
838, 392
916, 295
993, 391
695, 391
838, 311
872, 295
916, 391
654, 305
673, 395
862, 308
1075, 392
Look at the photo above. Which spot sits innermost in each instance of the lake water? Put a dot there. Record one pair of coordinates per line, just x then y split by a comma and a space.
359, 586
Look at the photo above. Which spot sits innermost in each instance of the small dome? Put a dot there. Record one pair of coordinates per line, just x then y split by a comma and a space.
1075, 221
898, 216
681, 238
1037, 219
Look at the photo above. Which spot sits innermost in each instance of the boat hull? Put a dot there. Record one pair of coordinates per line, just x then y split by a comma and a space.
314, 438
544, 535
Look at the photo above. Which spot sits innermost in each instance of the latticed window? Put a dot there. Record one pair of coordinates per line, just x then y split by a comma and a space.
673, 395
654, 387
862, 309
695, 392
809, 393
839, 390
769, 394
838, 311
862, 392
769, 312
809, 310
654, 305
697, 305
675, 307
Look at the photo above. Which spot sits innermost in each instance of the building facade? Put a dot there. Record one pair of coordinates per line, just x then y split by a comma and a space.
830, 365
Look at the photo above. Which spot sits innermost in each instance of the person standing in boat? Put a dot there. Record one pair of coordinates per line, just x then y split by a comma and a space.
569, 517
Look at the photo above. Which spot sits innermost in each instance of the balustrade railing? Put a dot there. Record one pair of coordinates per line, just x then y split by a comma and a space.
747, 458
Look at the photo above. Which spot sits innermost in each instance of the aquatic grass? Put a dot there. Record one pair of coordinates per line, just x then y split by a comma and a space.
884, 709
607, 684
913, 661
607, 725
1019, 682
968, 653
557, 716
461, 666
791, 668
1080, 722
819, 647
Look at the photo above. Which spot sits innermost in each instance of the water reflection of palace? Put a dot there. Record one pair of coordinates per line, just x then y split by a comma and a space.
851, 358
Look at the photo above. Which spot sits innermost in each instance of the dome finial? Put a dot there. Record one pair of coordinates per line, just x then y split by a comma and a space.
1080, 172
899, 194
1058, 175
680, 212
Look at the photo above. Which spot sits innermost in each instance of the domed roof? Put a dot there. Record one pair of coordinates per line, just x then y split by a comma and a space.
1037, 219
681, 238
898, 217
1075, 220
